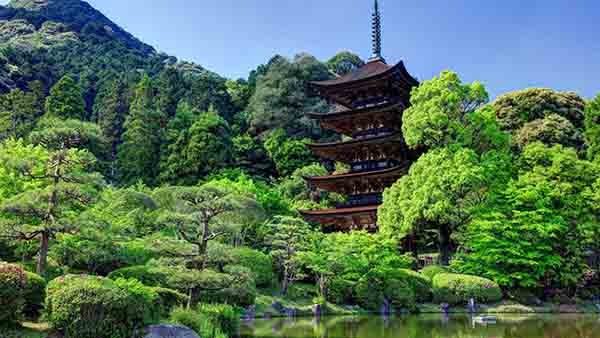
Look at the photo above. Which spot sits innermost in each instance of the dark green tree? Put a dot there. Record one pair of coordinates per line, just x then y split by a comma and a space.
281, 98
111, 115
139, 154
344, 62
19, 112
170, 85
65, 100
592, 128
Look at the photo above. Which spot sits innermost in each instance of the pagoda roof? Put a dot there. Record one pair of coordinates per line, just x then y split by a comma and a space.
337, 183
341, 112
376, 69
339, 151
344, 219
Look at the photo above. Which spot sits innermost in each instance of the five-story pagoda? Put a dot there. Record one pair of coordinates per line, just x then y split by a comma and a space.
369, 104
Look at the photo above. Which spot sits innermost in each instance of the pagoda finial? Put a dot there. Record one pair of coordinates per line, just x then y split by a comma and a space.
376, 35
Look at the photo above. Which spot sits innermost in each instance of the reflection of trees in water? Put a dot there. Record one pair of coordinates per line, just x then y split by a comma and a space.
429, 326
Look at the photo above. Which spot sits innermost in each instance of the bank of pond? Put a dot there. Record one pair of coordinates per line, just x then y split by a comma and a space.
126, 302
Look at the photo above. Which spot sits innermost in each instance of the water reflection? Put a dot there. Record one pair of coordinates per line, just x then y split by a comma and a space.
428, 326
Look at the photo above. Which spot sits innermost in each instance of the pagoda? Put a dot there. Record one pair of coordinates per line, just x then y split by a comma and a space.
369, 103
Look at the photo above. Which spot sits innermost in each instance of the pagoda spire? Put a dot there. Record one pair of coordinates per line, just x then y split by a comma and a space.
376, 26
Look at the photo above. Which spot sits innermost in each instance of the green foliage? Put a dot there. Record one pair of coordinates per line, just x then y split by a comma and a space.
148, 275
280, 100
95, 307
35, 295
287, 154
534, 232
196, 321
439, 193
344, 62
458, 289
592, 128
385, 284
517, 108
222, 316
432, 270
65, 100
260, 264
236, 289
18, 113
552, 129
13, 288
139, 154
441, 111
169, 299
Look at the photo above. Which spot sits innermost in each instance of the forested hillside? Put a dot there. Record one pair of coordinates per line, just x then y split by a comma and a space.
167, 192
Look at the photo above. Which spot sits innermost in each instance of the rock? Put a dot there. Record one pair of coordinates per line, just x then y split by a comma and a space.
445, 307
317, 310
386, 309
250, 312
169, 331
277, 306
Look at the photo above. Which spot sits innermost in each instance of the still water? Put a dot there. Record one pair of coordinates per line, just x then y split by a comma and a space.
428, 326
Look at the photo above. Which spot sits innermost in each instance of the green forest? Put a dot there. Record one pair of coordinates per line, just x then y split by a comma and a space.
137, 189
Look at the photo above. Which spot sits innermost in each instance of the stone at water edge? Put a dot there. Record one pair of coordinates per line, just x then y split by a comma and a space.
169, 331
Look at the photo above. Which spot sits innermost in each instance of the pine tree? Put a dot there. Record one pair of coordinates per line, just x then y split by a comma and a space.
177, 138
18, 114
111, 116
65, 100
139, 154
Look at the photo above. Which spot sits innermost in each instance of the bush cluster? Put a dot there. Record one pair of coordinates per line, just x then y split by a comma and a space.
433, 270
13, 282
96, 307
35, 294
222, 316
458, 289
196, 321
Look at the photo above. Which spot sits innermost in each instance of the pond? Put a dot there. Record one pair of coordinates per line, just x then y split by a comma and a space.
428, 326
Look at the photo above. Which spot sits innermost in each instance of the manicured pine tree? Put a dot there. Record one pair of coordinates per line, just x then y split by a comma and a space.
65, 100
139, 154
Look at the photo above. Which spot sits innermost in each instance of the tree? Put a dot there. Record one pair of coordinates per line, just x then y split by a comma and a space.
170, 85
57, 183
553, 117
592, 128
65, 100
19, 112
438, 193
281, 99
288, 154
209, 92
534, 235
111, 115
139, 154
239, 91
441, 112
195, 150
200, 214
287, 237
344, 62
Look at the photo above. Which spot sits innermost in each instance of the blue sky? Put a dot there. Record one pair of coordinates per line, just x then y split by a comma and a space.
508, 45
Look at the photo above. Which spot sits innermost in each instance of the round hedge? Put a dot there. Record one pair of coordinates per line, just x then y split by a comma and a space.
13, 282
421, 285
35, 294
433, 270
96, 307
393, 285
458, 289
148, 275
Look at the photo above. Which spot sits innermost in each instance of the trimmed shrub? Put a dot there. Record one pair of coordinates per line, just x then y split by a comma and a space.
169, 299
13, 282
339, 290
433, 270
379, 285
35, 294
222, 316
195, 321
298, 291
420, 284
458, 289
236, 289
259, 263
96, 307
149, 276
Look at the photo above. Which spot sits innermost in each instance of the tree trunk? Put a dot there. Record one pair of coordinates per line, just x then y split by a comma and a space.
43, 254
285, 283
444, 245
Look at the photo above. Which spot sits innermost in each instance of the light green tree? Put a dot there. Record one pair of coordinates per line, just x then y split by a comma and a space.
65, 100
592, 128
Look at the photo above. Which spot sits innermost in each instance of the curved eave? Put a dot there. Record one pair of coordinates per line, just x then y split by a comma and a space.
357, 142
332, 178
339, 212
354, 112
345, 81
